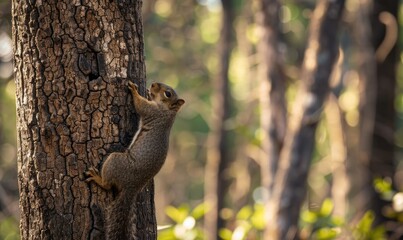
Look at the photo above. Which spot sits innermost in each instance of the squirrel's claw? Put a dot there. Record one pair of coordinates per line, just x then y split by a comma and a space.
133, 87
91, 174
88, 180
92, 171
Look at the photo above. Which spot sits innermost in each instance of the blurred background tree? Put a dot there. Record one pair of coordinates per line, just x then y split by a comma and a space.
356, 162
9, 212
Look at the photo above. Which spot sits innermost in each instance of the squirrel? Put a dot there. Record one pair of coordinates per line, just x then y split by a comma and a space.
128, 172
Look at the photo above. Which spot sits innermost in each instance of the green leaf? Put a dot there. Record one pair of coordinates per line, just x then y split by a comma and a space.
327, 233
366, 222
199, 211
257, 218
184, 208
379, 233
244, 213
382, 185
337, 221
308, 216
225, 234
327, 207
363, 228
166, 234
176, 214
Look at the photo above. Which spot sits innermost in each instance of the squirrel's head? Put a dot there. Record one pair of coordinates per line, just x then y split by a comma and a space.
165, 96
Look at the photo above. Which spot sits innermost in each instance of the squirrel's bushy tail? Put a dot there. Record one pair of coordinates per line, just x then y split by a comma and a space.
117, 216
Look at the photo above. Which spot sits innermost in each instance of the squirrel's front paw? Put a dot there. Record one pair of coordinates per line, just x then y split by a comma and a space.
133, 87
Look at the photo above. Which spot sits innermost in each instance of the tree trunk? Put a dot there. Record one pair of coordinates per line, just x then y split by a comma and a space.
73, 60
272, 101
272, 92
295, 157
338, 152
361, 178
384, 24
219, 153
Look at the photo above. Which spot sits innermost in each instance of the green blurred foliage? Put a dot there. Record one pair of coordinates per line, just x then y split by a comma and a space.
9, 229
186, 223
395, 210
320, 224
8, 148
248, 223
364, 229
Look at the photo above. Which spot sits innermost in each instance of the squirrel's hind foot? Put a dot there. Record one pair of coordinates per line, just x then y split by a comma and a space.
92, 174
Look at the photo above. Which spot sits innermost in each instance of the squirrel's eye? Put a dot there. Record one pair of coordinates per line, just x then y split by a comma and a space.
167, 94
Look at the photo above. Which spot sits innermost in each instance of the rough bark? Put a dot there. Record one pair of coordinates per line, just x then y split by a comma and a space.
219, 154
73, 60
272, 86
295, 157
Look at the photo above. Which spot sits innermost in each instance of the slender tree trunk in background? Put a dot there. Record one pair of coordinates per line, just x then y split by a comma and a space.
219, 152
272, 92
336, 125
272, 82
362, 179
384, 39
295, 158
338, 153
73, 60
376, 30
